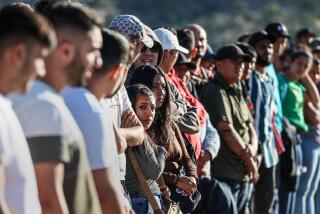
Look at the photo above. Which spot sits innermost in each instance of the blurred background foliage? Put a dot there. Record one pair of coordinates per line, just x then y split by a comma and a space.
224, 20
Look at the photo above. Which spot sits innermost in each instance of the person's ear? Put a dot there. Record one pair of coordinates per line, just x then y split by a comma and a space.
16, 55
218, 64
66, 52
114, 72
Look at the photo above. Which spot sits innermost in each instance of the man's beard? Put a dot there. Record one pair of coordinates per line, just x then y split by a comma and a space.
263, 62
116, 91
76, 73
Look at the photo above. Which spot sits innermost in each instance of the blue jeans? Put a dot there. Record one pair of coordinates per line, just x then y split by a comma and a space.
141, 205
241, 192
309, 181
287, 199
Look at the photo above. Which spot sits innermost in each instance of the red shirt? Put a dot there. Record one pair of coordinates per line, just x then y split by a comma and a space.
184, 91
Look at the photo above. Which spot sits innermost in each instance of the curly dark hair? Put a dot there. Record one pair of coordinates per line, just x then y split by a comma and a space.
160, 130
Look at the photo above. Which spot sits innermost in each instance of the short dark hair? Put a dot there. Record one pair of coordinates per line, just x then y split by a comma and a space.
65, 14
21, 4
115, 50
20, 24
186, 39
244, 37
41, 5
247, 49
301, 53
171, 29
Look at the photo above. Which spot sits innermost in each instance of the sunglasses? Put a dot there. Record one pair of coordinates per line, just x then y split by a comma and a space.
154, 49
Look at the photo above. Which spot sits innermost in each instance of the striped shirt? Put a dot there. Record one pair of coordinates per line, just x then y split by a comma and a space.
262, 96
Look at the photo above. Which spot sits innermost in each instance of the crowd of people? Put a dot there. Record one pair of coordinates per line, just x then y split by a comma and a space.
122, 118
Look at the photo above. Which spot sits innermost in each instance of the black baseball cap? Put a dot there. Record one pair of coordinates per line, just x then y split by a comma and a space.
277, 29
315, 43
247, 49
258, 36
305, 31
231, 51
182, 60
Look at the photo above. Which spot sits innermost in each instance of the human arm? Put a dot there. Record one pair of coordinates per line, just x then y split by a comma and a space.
49, 154
189, 166
312, 101
311, 89
211, 142
3, 205
187, 183
234, 142
108, 193
131, 128
188, 123
49, 151
120, 139
253, 144
153, 162
101, 148
50, 178
182, 113
210, 147
312, 113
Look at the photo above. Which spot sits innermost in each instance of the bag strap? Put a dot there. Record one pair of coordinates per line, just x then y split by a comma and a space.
143, 183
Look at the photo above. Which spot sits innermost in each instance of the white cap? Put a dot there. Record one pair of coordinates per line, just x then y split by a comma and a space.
169, 41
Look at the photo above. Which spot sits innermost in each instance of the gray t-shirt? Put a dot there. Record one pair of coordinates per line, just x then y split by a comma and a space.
152, 166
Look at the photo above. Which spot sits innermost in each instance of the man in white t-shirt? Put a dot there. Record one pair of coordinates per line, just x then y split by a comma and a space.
95, 120
64, 178
24, 41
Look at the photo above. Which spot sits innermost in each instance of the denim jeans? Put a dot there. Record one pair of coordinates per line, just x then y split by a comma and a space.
287, 199
241, 192
141, 205
309, 181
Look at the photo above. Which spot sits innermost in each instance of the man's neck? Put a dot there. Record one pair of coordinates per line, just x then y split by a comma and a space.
198, 66
230, 83
55, 79
4, 89
291, 77
5, 85
94, 86
261, 69
165, 68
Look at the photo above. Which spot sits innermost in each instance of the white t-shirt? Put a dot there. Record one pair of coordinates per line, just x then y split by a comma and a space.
21, 191
54, 136
96, 127
118, 104
42, 112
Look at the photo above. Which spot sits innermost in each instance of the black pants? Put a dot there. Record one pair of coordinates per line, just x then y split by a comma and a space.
264, 190
216, 198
